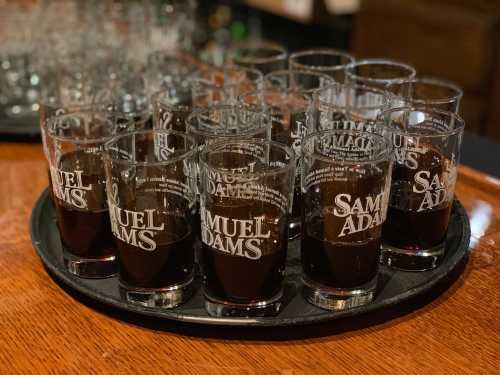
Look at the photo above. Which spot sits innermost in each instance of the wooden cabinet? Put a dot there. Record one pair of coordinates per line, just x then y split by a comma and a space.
454, 39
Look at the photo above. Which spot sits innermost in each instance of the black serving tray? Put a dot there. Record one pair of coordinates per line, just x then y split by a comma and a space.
394, 286
22, 128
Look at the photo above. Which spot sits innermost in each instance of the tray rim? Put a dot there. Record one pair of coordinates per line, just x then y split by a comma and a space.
26, 126
324, 316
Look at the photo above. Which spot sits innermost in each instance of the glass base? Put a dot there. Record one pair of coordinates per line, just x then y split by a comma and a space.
411, 260
329, 298
294, 228
90, 268
168, 297
220, 308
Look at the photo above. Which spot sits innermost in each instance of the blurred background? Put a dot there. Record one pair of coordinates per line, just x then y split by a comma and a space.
457, 40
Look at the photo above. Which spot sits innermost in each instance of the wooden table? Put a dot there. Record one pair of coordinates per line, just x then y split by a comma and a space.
46, 328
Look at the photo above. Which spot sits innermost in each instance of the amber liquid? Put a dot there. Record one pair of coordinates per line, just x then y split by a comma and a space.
411, 230
85, 233
167, 265
405, 227
241, 280
339, 265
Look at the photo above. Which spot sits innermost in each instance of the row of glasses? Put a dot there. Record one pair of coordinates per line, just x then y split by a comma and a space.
419, 115
351, 106
361, 102
343, 176
246, 191
351, 225
180, 88
42, 36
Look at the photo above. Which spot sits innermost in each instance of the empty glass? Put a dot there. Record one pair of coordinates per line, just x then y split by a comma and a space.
378, 72
263, 56
322, 60
425, 92
349, 106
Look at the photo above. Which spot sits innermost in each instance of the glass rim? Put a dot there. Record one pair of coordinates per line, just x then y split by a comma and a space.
388, 62
213, 85
192, 129
354, 85
186, 154
291, 72
438, 82
156, 100
281, 52
98, 107
290, 164
46, 102
175, 55
382, 116
384, 154
265, 91
80, 141
292, 59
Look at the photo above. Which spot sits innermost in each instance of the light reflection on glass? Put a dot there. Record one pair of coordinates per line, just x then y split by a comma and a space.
480, 219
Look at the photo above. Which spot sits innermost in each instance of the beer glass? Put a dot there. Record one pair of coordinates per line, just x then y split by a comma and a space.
218, 122
74, 145
349, 106
173, 73
322, 60
246, 196
169, 113
150, 178
263, 56
378, 72
345, 185
427, 150
223, 86
170, 77
425, 92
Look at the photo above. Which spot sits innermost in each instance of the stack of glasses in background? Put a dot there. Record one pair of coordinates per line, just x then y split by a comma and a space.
40, 37
161, 167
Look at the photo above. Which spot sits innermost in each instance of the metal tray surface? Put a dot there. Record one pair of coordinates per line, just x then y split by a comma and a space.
394, 286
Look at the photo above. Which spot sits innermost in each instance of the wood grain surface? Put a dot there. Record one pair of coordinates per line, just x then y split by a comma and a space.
47, 328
